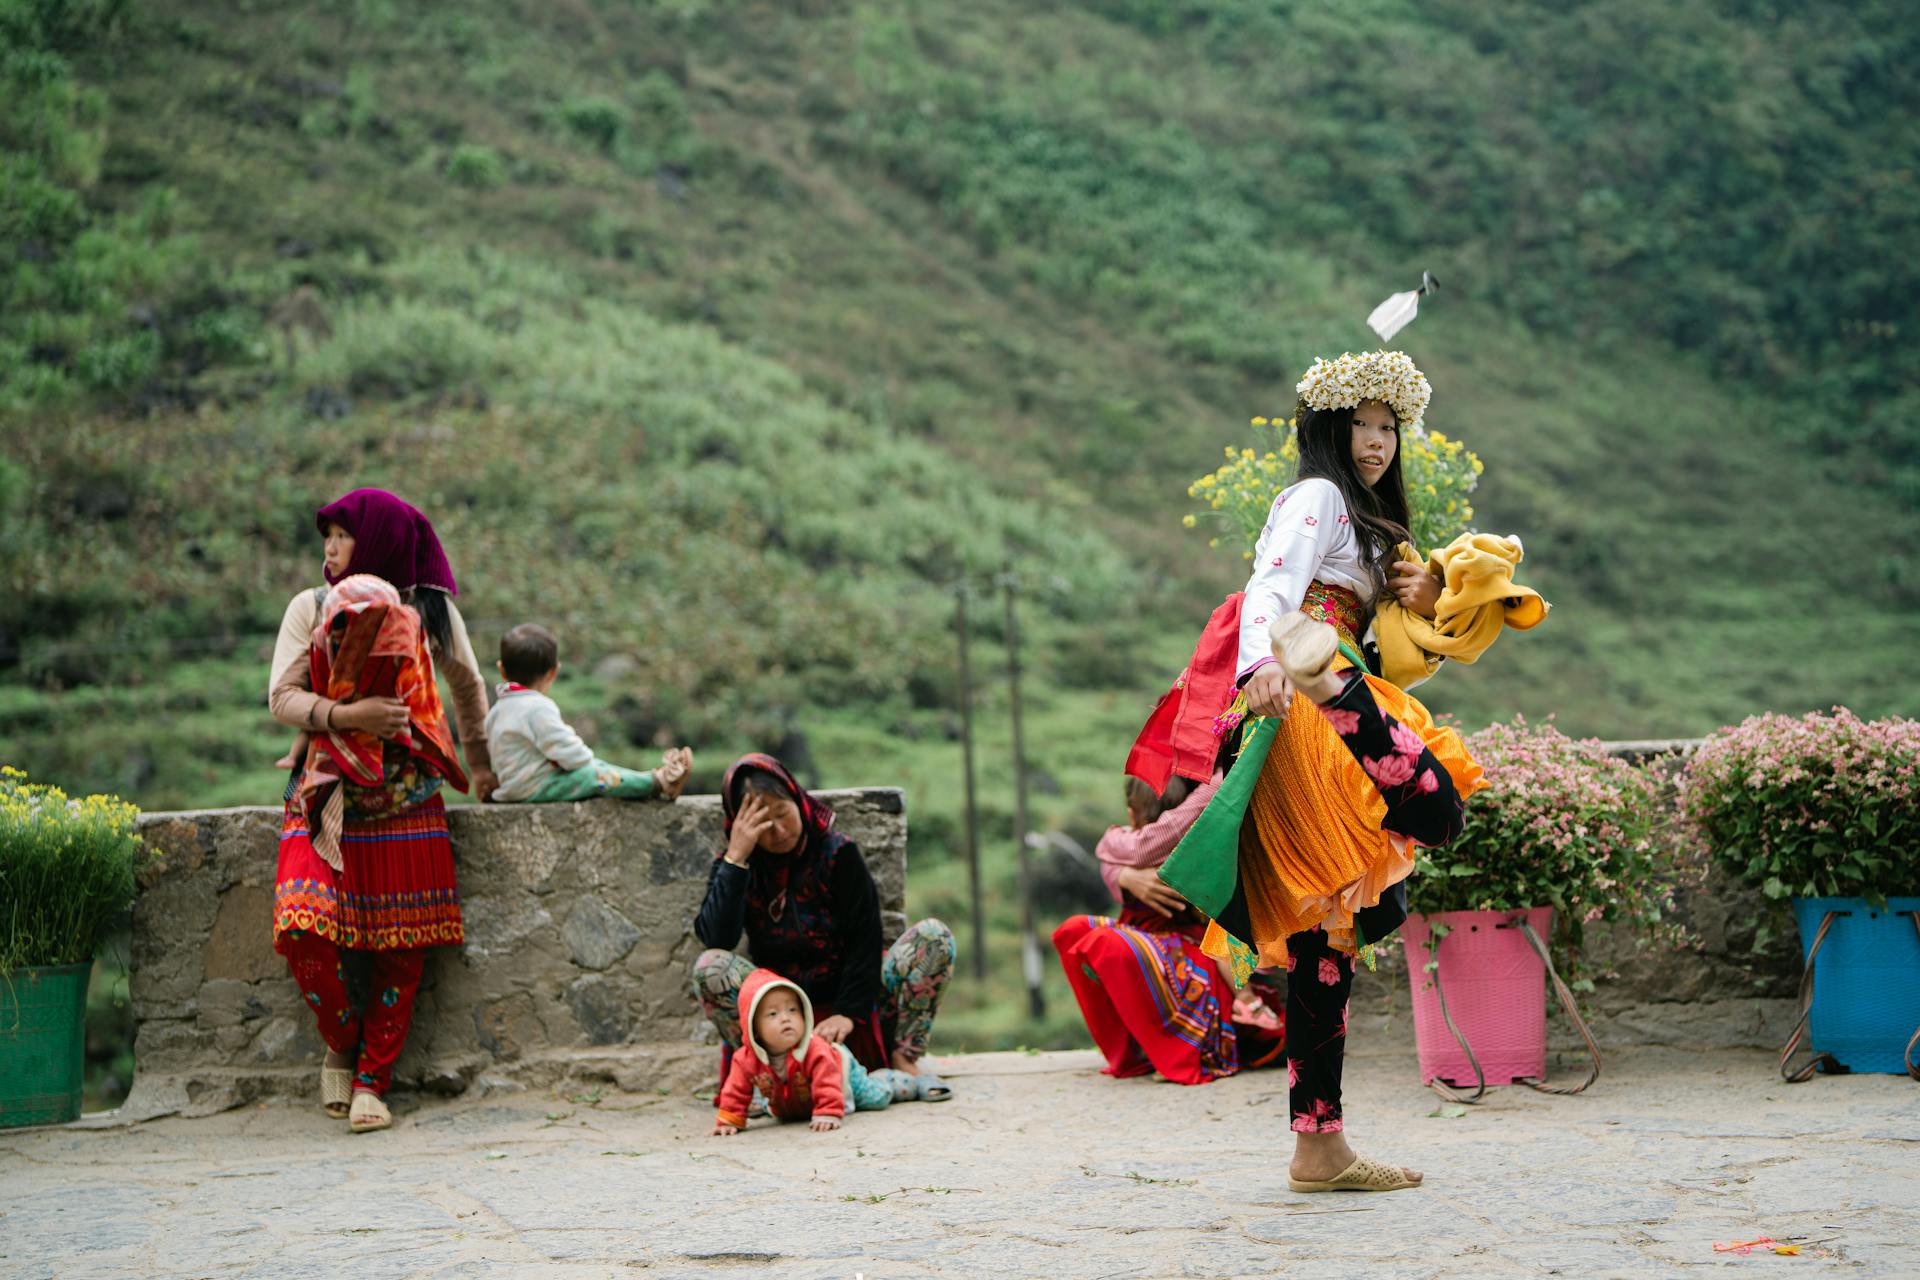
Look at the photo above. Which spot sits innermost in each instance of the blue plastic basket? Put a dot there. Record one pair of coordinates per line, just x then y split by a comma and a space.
1866, 980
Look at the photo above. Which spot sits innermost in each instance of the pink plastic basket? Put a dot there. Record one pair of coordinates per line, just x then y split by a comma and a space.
1496, 989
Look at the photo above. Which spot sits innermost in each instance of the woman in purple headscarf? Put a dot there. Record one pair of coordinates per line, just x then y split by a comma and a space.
375, 874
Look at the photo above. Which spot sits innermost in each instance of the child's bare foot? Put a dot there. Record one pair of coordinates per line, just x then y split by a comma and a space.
675, 768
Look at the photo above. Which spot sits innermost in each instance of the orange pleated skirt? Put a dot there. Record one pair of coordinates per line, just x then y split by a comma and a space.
1312, 851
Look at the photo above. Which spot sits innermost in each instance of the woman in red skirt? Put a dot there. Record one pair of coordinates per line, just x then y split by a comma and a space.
1152, 1000
365, 862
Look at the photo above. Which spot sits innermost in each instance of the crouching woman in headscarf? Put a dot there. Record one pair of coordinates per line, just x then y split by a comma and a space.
365, 863
801, 894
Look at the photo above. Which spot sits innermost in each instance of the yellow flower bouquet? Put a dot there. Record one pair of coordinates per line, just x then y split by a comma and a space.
1440, 474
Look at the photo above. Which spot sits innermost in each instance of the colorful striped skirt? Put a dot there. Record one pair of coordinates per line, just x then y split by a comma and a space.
1151, 1000
395, 891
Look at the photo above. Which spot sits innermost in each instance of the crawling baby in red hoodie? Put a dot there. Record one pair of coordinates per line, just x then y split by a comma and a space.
801, 1076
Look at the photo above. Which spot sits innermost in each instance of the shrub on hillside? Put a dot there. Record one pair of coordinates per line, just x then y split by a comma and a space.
403, 349
598, 121
83, 298
118, 364
476, 167
662, 123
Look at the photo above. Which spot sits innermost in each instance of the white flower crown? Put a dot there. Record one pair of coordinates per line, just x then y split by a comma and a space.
1387, 376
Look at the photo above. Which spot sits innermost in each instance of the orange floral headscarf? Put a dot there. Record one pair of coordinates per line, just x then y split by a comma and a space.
380, 651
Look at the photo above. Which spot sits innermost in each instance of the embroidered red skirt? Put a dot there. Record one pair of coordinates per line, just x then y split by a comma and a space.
1151, 1000
395, 891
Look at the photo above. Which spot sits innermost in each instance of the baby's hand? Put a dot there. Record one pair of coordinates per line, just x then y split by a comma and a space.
721, 1129
825, 1124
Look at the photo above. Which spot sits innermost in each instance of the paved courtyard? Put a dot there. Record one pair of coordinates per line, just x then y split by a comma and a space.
1039, 1167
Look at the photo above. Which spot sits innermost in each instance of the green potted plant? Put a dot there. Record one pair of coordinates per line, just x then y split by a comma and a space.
1562, 831
66, 872
1822, 812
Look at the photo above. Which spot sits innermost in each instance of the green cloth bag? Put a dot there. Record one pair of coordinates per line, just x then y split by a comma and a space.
1204, 868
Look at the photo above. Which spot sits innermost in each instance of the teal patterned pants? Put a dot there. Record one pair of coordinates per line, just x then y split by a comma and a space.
864, 1092
596, 779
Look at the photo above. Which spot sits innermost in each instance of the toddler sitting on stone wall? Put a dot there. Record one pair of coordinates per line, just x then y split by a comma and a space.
538, 758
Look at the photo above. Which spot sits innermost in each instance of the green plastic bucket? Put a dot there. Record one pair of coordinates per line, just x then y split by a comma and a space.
43, 1042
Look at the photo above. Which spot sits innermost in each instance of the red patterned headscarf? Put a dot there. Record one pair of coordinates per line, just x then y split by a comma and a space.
816, 819
380, 651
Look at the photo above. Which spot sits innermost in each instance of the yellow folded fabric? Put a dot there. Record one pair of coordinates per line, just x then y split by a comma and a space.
1480, 598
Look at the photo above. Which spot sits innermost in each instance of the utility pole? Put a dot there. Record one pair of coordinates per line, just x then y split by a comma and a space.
966, 754
1029, 945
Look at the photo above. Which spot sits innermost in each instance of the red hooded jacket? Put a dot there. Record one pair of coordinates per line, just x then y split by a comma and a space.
810, 1084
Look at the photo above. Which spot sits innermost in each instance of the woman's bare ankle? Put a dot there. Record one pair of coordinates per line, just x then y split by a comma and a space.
1320, 1156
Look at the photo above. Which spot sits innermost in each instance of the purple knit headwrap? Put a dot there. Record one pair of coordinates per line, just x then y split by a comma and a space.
391, 540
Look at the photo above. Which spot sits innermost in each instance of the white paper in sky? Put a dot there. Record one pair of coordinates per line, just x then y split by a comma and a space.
1391, 316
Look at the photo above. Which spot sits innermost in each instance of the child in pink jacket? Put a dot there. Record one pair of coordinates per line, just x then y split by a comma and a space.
801, 1076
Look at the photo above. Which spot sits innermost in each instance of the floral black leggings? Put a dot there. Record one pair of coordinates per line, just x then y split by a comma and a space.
1422, 806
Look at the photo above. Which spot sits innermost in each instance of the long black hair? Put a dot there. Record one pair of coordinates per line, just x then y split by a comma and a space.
431, 604
1379, 512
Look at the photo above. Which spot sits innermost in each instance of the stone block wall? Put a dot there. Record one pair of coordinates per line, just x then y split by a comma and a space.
579, 935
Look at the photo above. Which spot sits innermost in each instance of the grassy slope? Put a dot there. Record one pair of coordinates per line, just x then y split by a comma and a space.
1673, 524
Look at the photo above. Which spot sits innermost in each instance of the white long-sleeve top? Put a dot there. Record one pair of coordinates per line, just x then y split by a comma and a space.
530, 742
1308, 535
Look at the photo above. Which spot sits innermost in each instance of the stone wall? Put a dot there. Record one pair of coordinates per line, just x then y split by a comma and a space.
579, 935
578, 923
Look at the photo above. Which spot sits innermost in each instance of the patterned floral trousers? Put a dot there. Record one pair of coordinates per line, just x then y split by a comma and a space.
1319, 980
1421, 805
372, 1040
913, 973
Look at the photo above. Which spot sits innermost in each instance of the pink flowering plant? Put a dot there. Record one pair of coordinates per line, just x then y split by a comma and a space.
1814, 806
1560, 824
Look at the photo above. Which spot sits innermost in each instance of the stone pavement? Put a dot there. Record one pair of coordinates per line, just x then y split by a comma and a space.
1039, 1167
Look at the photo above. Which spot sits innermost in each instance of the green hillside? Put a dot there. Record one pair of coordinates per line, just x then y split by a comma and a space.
727, 337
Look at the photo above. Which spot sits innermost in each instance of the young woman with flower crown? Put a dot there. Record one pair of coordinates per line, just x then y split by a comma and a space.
1299, 858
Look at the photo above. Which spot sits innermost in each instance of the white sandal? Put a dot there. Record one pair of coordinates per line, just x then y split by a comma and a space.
1305, 650
336, 1090
369, 1112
